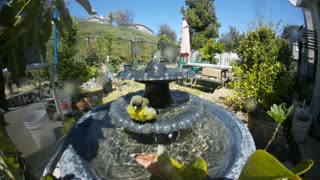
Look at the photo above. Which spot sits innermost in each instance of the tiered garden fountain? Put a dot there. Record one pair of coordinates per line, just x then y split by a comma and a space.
98, 147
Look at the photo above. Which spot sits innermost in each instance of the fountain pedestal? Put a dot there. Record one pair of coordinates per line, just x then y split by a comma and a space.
158, 94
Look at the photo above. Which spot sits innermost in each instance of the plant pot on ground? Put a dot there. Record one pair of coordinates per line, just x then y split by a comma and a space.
315, 129
300, 123
107, 87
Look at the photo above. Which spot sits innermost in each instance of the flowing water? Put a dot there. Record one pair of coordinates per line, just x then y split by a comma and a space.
209, 139
98, 149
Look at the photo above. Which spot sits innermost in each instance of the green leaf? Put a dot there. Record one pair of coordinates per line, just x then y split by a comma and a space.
48, 177
59, 26
302, 167
46, 27
41, 47
13, 166
16, 65
4, 170
195, 170
87, 6
30, 12
6, 145
161, 149
18, 5
64, 14
6, 16
166, 168
290, 110
29, 15
280, 113
262, 165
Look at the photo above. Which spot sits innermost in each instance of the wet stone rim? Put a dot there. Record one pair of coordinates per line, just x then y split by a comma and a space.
170, 74
187, 110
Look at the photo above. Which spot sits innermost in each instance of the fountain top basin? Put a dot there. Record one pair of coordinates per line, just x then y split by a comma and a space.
183, 113
156, 71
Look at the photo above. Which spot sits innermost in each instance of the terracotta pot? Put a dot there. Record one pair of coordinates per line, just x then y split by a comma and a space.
81, 106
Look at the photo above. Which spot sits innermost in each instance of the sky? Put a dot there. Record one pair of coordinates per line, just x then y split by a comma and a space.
237, 13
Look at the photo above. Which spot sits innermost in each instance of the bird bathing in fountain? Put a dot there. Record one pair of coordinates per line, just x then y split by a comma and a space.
176, 110
139, 111
100, 144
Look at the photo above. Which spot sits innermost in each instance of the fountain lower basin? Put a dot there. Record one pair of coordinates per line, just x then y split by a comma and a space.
97, 149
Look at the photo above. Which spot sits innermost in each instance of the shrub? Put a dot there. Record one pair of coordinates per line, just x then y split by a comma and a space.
69, 68
68, 124
76, 70
264, 73
168, 49
210, 49
92, 59
115, 64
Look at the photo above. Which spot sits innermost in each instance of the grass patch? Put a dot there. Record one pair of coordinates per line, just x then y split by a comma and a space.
122, 88
68, 124
123, 32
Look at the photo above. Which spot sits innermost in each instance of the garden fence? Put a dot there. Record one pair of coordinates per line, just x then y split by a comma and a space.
128, 51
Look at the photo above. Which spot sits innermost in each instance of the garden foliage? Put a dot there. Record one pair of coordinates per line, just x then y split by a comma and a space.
279, 114
264, 71
69, 67
105, 48
231, 39
10, 163
210, 49
202, 21
25, 26
168, 48
165, 29
262, 165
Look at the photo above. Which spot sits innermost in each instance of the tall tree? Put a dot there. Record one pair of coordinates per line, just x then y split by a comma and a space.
231, 39
165, 29
210, 49
202, 21
111, 17
124, 17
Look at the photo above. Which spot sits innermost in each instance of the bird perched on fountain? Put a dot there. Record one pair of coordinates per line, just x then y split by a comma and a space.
138, 109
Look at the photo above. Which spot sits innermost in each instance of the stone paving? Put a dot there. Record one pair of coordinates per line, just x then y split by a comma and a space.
35, 157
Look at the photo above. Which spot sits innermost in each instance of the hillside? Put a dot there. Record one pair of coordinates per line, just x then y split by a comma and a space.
96, 29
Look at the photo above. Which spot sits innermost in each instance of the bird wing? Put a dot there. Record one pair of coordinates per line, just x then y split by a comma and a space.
149, 113
145, 102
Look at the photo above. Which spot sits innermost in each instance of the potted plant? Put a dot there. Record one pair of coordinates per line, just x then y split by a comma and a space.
300, 123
